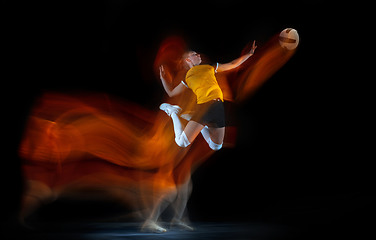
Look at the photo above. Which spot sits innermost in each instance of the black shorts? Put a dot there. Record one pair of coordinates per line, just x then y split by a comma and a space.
211, 114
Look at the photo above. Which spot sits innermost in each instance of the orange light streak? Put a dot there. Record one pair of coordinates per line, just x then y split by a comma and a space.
72, 143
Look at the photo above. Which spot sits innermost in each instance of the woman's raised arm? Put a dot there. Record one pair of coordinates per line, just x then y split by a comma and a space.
237, 62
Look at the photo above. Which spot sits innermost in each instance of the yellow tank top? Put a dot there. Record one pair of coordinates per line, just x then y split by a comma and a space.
201, 79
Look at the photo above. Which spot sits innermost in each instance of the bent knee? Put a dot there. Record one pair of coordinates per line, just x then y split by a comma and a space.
214, 145
182, 140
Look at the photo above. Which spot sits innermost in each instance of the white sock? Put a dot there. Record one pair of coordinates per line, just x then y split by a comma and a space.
180, 138
178, 127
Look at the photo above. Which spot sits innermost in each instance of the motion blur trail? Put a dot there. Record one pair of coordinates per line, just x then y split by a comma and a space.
121, 150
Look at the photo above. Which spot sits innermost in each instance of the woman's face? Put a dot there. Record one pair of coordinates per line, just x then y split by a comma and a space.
194, 58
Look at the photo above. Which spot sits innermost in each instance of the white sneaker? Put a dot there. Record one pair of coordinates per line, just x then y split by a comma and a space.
169, 109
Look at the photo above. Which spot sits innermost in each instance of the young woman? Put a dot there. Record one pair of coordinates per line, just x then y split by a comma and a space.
209, 117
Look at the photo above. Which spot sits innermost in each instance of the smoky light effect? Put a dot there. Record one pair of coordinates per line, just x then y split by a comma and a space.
118, 149
267, 60
94, 143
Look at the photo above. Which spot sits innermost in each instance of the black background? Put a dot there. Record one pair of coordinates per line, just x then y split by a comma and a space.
301, 154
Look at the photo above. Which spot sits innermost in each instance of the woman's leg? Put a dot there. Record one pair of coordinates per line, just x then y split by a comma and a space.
180, 218
214, 136
184, 137
161, 203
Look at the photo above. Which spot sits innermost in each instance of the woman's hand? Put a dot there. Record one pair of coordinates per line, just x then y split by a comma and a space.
167, 85
253, 47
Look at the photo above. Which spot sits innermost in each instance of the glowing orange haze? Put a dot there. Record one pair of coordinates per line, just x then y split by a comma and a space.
95, 141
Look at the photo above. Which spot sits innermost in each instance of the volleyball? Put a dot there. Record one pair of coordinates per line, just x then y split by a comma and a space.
289, 38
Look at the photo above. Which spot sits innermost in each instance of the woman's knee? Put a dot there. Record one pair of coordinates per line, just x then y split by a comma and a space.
215, 146
182, 140
217, 134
